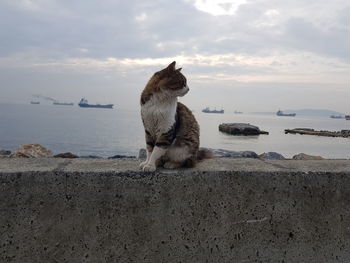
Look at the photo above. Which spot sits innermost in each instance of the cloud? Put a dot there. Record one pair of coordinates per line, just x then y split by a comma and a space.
140, 29
223, 41
219, 7
293, 67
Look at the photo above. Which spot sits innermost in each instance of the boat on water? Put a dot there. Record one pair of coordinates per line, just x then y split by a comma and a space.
63, 103
336, 117
85, 104
238, 112
281, 113
207, 110
35, 102
347, 117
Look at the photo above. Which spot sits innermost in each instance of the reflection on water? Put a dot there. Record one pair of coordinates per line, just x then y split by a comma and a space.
229, 138
106, 132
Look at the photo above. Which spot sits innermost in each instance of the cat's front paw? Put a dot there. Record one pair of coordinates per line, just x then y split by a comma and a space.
149, 168
143, 164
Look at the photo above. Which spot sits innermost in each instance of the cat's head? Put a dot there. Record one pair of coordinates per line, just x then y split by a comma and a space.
169, 81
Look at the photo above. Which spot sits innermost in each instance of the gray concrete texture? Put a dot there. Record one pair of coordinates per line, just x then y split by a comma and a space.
225, 210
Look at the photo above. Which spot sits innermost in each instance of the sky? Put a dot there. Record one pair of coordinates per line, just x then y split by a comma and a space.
246, 55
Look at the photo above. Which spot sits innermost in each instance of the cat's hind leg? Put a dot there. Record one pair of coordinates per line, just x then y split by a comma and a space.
172, 165
176, 157
188, 163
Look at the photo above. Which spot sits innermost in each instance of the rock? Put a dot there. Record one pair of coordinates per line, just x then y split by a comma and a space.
4, 153
303, 156
121, 156
66, 155
240, 129
19, 155
220, 153
31, 151
271, 155
91, 157
142, 153
345, 133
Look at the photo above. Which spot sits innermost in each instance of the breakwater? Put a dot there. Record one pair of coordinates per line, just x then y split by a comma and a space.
225, 210
305, 131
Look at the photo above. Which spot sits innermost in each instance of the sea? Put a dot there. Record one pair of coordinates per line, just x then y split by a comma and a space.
108, 132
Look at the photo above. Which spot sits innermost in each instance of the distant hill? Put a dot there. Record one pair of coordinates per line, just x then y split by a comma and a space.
315, 112
264, 113
306, 112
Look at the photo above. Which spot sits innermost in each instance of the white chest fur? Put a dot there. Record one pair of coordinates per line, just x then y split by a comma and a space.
158, 115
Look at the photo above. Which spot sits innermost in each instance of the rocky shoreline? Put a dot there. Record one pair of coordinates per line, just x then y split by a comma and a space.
38, 151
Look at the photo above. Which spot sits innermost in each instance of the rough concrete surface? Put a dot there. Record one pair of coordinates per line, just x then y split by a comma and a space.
225, 210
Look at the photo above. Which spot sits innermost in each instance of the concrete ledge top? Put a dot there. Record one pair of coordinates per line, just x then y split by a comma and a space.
15, 165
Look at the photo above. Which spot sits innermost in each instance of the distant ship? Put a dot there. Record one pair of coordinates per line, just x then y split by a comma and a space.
35, 102
347, 117
207, 110
238, 112
62, 103
336, 117
84, 104
280, 113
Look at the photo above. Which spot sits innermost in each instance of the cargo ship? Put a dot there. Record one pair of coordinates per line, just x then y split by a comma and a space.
85, 104
347, 117
280, 113
207, 110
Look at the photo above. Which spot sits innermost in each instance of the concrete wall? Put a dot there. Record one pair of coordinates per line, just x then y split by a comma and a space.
64, 211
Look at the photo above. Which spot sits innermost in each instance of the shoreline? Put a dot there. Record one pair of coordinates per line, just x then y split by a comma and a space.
38, 151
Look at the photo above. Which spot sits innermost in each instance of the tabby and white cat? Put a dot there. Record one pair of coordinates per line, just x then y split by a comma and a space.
171, 130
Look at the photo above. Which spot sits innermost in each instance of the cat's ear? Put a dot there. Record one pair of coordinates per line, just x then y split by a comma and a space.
171, 66
179, 69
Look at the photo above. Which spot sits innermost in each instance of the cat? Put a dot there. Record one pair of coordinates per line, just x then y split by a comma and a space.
171, 130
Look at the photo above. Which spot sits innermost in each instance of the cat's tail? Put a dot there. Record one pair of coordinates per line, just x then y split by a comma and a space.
204, 153
201, 155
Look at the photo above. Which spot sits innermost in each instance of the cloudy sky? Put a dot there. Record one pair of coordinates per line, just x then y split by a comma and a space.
248, 55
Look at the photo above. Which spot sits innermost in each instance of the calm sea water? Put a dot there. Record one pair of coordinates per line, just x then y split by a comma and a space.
105, 132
